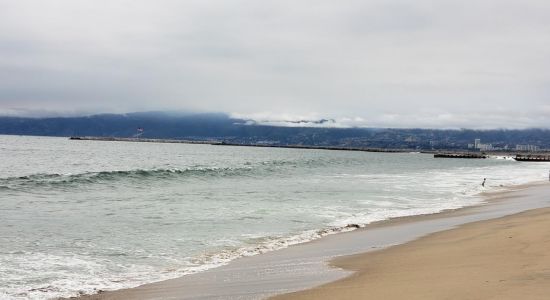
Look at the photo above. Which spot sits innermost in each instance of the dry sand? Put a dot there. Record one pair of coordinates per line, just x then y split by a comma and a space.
506, 258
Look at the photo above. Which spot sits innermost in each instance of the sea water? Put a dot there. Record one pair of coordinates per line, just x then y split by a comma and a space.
78, 217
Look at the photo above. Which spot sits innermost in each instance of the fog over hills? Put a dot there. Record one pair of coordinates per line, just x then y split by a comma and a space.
222, 127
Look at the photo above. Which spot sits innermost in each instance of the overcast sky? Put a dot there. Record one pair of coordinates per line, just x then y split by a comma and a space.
421, 63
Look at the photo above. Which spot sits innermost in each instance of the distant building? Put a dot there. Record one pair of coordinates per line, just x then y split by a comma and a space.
480, 146
528, 148
477, 142
267, 142
485, 147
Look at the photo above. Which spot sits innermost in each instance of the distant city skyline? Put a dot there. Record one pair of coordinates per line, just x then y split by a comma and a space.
428, 64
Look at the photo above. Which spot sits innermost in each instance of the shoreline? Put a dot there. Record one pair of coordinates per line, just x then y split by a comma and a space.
444, 220
502, 258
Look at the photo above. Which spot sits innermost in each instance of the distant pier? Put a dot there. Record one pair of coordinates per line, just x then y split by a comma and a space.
533, 157
340, 148
140, 140
460, 155
222, 143
517, 157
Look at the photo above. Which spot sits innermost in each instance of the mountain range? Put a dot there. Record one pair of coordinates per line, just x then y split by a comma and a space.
222, 127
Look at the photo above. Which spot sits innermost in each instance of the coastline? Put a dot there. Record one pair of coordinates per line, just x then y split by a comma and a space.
308, 262
503, 258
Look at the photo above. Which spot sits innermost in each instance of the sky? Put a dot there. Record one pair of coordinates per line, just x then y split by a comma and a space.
375, 63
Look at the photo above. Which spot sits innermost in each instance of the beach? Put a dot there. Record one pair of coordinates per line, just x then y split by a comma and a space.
506, 258
252, 150
493, 251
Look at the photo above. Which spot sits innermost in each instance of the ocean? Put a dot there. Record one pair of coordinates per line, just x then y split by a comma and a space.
78, 217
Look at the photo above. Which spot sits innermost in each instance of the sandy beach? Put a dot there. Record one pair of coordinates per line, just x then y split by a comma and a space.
505, 258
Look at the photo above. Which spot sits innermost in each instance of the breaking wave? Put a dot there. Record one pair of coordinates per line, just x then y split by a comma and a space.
65, 180
55, 179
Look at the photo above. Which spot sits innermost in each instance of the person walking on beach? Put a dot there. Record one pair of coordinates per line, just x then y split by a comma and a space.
484, 179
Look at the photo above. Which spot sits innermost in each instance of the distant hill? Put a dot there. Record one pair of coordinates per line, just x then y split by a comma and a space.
223, 127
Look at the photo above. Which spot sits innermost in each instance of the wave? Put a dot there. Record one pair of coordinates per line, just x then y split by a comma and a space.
258, 245
218, 257
246, 169
54, 179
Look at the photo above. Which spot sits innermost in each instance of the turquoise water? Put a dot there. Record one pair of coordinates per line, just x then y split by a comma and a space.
82, 216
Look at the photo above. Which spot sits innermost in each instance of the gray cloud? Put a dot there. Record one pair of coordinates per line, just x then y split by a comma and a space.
427, 63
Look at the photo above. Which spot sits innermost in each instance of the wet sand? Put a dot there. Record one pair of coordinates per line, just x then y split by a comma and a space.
506, 258
465, 263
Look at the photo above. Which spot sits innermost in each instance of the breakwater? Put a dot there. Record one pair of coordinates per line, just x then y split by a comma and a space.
460, 155
533, 157
223, 143
340, 148
140, 140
